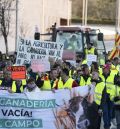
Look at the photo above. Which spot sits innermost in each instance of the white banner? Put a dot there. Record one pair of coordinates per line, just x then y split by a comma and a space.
40, 65
35, 49
91, 58
45, 110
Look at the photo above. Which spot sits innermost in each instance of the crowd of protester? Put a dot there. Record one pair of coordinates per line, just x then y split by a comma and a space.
105, 79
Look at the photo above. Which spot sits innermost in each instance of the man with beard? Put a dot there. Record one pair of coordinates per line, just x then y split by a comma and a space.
31, 86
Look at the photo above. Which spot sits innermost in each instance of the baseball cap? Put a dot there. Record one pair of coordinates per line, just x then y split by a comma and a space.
106, 66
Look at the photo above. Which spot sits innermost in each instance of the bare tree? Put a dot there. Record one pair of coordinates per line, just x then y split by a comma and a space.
5, 18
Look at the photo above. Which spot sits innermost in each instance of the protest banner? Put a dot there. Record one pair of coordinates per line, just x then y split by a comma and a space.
91, 58
40, 65
17, 72
45, 110
69, 55
35, 49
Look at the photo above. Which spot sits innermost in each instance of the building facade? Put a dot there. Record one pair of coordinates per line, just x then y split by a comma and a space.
40, 14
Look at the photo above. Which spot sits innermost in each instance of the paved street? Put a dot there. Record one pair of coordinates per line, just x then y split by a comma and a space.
112, 127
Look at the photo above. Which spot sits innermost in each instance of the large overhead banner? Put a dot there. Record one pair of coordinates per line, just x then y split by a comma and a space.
64, 109
34, 49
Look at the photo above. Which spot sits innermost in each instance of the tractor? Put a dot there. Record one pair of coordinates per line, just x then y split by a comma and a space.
75, 39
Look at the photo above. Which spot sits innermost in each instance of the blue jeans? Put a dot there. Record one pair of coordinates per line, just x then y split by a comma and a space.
107, 113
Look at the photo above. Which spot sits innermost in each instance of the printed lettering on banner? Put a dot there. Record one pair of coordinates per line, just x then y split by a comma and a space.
65, 108
34, 49
91, 58
40, 65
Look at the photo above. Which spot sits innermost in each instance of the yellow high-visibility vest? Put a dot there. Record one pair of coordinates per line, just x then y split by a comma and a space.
47, 85
83, 82
21, 88
0, 82
24, 82
98, 92
115, 92
115, 69
60, 84
91, 51
109, 82
102, 61
37, 77
68, 84
84, 62
70, 73
100, 70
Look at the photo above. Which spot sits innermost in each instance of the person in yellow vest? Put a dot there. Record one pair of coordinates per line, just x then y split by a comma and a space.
115, 97
48, 82
115, 67
80, 59
95, 107
85, 78
68, 66
31, 86
95, 67
108, 108
66, 81
59, 70
90, 49
18, 86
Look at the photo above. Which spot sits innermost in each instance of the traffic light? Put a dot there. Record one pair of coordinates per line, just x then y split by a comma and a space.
100, 36
37, 36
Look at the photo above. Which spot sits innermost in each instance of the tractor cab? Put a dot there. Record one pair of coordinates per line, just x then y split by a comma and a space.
75, 39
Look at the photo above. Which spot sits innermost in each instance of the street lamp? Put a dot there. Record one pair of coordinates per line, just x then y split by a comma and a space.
16, 33
43, 16
117, 14
84, 12
68, 11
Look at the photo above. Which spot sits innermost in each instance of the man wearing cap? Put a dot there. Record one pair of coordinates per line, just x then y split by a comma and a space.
107, 106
